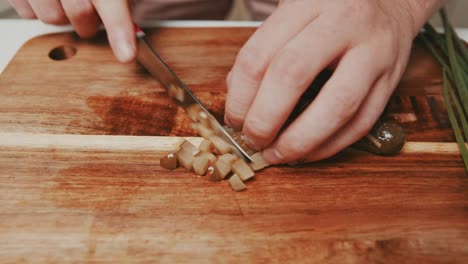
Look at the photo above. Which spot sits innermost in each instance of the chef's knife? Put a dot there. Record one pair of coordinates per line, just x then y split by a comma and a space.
155, 65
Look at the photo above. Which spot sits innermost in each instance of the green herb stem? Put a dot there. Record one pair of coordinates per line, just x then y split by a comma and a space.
453, 61
453, 120
451, 53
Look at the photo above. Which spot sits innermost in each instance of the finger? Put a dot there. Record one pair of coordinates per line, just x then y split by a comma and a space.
23, 8
359, 126
83, 16
119, 25
49, 11
369, 112
253, 59
228, 82
288, 76
335, 105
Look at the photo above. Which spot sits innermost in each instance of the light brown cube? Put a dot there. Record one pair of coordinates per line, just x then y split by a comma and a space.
177, 92
221, 146
201, 164
241, 168
228, 158
192, 112
258, 162
219, 171
210, 156
202, 130
206, 146
185, 159
188, 146
204, 119
236, 183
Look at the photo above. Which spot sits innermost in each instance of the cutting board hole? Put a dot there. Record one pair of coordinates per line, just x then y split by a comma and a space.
62, 53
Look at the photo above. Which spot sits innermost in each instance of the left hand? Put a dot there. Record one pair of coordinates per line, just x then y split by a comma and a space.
368, 41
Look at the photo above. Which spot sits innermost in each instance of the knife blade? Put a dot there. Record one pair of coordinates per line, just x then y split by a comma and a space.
155, 65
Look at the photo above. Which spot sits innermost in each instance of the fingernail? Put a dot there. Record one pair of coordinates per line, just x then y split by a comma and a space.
231, 124
272, 156
251, 143
236, 126
227, 122
125, 51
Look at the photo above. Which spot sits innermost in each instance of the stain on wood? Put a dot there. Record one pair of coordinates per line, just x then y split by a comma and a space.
72, 191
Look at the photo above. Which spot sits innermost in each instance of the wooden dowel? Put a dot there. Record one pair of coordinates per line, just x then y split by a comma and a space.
442, 148
93, 142
146, 143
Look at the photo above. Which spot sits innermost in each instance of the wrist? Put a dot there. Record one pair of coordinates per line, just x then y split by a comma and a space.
420, 11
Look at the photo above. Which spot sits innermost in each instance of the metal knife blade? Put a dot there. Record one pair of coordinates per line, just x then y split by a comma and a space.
155, 65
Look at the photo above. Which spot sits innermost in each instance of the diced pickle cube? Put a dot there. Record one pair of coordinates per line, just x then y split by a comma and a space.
188, 146
206, 146
241, 168
228, 158
258, 162
220, 170
192, 112
236, 183
176, 92
210, 156
185, 159
201, 164
202, 130
221, 146
204, 119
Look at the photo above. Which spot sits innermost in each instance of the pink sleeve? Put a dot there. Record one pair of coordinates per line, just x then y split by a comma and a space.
181, 9
197, 9
261, 9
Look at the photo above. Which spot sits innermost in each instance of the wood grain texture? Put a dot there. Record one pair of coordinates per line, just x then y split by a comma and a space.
119, 205
80, 181
92, 94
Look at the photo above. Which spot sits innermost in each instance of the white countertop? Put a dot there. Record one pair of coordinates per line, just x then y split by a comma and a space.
15, 32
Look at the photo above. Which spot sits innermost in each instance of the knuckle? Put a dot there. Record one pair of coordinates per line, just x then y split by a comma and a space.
236, 110
26, 14
97, 2
370, 16
385, 45
292, 148
54, 17
392, 49
367, 11
235, 117
81, 13
346, 105
252, 63
290, 69
258, 129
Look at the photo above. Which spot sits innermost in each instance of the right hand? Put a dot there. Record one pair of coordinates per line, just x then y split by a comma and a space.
85, 16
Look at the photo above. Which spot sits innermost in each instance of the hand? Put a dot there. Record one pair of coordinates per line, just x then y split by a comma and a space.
367, 42
85, 17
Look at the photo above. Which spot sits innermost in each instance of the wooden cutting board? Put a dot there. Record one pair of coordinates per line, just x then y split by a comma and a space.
80, 140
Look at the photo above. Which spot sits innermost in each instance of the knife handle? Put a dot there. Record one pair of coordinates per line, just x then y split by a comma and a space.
139, 32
